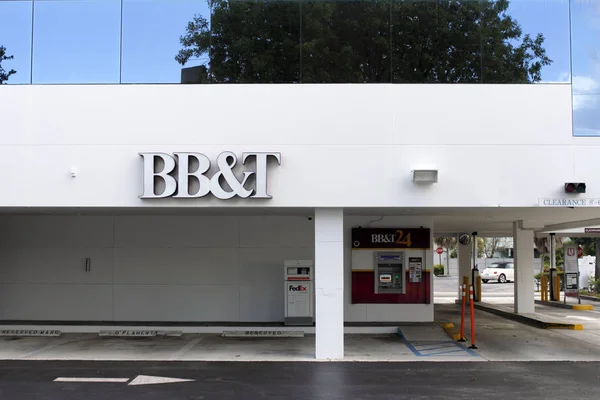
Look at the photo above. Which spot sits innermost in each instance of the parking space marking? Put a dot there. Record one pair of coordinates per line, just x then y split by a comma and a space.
423, 348
440, 346
185, 348
46, 348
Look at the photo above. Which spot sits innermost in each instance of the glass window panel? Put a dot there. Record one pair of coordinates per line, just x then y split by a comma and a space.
249, 42
526, 41
436, 41
586, 114
346, 41
76, 41
585, 26
15, 39
151, 40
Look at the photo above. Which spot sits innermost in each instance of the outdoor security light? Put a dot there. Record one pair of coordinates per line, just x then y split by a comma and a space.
425, 175
574, 187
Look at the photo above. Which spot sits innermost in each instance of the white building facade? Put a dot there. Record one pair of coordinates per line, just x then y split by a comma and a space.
133, 204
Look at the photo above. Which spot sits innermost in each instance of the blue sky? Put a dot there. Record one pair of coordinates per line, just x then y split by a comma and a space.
78, 41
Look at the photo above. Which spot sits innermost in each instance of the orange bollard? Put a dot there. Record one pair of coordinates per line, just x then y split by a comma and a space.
472, 346
462, 314
466, 284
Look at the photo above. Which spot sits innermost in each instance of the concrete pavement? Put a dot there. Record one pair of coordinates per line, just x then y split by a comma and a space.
445, 291
501, 339
498, 339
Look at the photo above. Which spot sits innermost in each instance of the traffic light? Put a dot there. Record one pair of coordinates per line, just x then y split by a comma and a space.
574, 187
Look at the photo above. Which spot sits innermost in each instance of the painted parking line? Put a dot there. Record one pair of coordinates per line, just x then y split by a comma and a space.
436, 348
181, 352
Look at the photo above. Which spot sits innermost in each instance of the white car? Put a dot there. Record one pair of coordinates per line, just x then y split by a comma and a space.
501, 272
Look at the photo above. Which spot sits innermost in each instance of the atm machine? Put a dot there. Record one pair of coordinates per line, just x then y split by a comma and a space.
299, 292
390, 272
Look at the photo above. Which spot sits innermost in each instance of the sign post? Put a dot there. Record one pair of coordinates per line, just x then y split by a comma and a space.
571, 277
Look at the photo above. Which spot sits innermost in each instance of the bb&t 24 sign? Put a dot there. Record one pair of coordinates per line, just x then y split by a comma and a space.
176, 178
391, 238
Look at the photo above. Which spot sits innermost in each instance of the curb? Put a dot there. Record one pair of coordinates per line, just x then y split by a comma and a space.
580, 307
591, 298
537, 323
451, 331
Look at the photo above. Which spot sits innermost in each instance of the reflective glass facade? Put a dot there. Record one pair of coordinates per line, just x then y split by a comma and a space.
585, 39
306, 41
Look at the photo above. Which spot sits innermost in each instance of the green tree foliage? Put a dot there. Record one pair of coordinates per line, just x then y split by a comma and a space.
480, 247
410, 41
587, 244
4, 75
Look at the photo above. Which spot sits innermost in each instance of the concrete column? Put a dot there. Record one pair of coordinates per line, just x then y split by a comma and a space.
465, 259
524, 290
329, 283
597, 268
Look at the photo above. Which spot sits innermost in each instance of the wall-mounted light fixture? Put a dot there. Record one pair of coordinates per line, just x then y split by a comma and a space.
425, 175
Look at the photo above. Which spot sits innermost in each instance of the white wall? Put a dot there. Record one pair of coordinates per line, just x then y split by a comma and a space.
587, 270
168, 268
341, 145
148, 268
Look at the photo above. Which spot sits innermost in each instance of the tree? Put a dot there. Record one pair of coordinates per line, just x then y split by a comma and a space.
446, 243
437, 41
490, 245
3, 74
587, 244
542, 244
480, 247
494, 244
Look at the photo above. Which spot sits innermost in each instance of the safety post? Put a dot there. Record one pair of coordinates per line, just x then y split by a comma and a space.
544, 287
472, 346
557, 288
478, 287
463, 289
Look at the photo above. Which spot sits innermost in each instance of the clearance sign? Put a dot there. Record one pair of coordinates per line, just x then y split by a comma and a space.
391, 238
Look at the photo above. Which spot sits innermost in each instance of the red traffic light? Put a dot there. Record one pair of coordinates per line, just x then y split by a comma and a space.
575, 187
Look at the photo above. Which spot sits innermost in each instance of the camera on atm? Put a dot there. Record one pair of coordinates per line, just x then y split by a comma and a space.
390, 273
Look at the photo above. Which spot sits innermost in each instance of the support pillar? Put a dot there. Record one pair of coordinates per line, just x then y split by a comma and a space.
553, 270
329, 283
597, 268
524, 285
465, 255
